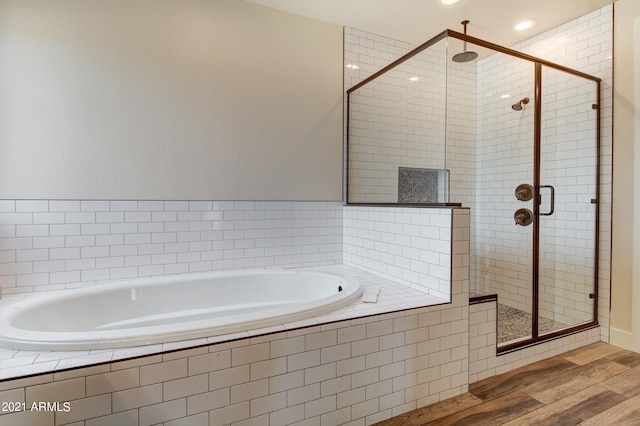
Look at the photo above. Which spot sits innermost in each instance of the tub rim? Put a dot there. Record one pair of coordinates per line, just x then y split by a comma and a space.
16, 338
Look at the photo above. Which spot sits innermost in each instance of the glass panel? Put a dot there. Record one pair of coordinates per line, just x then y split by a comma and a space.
568, 184
397, 133
501, 251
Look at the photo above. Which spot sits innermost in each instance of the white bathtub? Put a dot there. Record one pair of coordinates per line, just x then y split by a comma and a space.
170, 309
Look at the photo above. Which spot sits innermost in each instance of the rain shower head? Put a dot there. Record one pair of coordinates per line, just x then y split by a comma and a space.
518, 106
464, 56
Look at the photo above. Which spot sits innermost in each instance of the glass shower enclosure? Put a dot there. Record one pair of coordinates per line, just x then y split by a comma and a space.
513, 137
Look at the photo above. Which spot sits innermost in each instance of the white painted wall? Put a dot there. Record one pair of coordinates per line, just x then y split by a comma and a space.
168, 100
625, 272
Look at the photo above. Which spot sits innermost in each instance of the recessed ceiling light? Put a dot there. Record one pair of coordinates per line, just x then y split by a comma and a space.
524, 25
449, 2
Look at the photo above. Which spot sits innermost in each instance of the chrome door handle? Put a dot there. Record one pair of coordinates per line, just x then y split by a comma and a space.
553, 199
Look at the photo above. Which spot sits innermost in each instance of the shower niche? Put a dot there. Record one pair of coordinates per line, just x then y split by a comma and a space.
502, 133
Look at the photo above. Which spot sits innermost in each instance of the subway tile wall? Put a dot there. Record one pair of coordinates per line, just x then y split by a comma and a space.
52, 245
397, 120
419, 114
407, 245
351, 372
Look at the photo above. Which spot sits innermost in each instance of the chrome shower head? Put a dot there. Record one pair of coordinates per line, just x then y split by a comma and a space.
464, 56
518, 106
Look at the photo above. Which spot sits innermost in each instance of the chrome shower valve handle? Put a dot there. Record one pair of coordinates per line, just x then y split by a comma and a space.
523, 217
524, 192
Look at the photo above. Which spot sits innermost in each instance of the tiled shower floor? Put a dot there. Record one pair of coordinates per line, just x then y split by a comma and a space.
516, 324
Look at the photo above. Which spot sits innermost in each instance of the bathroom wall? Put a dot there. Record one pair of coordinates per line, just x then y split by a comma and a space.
47, 245
170, 100
407, 245
625, 258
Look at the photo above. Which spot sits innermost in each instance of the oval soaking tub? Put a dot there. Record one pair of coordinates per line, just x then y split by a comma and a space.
171, 308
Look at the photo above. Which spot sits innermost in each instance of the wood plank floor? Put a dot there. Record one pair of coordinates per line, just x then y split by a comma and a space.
595, 385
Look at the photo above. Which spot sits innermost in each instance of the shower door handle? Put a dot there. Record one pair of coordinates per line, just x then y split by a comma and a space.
553, 199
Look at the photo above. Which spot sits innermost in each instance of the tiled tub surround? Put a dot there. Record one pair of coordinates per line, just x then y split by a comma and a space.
411, 246
350, 371
392, 297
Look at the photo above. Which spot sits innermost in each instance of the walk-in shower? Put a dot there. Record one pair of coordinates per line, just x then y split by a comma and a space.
430, 130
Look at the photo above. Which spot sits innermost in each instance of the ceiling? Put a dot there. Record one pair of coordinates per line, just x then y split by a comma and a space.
416, 21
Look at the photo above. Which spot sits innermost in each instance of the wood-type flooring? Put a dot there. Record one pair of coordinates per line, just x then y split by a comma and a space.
598, 385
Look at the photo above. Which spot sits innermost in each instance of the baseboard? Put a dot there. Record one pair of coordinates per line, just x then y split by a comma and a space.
621, 338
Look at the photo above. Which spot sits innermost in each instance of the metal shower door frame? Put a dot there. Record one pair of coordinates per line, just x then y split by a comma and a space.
539, 63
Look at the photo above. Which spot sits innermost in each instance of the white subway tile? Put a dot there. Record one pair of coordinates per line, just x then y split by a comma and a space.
80, 217
94, 206
156, 373
31, 205
268, 404
185, 387
48, 242
7, 206
125, 418
268, 368
155, 414
137, 397
209, 362
65, 390
85, 408
229, 414
303, 360
249, 391
303, 394
287, 416
113, 381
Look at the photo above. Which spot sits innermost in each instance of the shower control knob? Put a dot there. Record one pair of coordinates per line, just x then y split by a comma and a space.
523, 217
524, 192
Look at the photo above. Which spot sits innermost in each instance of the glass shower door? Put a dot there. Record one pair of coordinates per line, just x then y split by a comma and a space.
568, 190
502, 247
